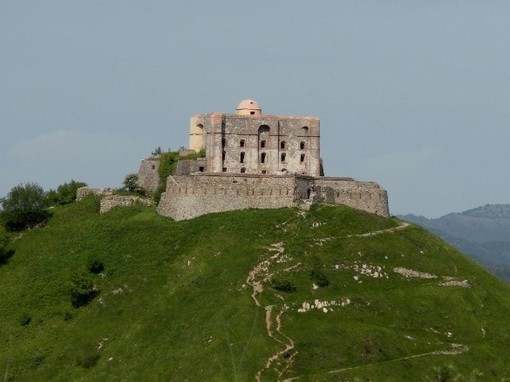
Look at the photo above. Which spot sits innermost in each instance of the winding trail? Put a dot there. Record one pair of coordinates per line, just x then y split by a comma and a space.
401, 226
256, 279
261, 274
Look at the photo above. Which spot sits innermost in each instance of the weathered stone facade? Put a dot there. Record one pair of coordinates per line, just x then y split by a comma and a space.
83, 192
108, 202
148, 175
259, 161
193, 195
256, 143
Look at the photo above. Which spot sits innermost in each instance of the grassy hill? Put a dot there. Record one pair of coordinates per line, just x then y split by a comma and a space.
327, 295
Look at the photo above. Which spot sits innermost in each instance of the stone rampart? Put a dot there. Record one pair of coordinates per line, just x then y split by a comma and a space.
190, 196
108, 202
82, 192
367, 196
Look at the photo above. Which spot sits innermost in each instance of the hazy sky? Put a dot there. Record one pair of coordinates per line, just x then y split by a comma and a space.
414, 95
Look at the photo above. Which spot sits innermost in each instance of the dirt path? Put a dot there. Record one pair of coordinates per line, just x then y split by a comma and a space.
259, 275
402, 225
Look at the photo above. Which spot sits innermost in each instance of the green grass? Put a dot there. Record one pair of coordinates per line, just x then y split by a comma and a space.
173, 301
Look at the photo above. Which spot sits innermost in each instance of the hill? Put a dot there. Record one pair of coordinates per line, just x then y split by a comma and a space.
482, 233
330, 294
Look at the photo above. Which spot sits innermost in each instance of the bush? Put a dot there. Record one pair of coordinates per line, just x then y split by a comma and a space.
24, 207
65, 193
83, 290
25, 319
95, 266
283, 285
5, 253
132, 185
317, 275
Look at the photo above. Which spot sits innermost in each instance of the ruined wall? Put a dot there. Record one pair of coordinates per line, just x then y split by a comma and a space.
367, 196
148, 176
190, 196
188, 166
108, 202
83, 192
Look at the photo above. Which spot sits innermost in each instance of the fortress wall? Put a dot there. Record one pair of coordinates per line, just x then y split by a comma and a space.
187, 197
367, 196
148, 176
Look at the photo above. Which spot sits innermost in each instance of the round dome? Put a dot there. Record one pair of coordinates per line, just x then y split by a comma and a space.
248, 107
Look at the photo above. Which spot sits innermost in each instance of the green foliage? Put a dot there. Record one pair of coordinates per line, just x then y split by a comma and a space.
64, 194
25, 318
5, 252
24, 207
131, 184
83, 289
317, 274
283, 285
172, 292
157, 151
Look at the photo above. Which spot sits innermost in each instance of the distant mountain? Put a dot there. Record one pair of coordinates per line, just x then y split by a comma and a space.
483, 233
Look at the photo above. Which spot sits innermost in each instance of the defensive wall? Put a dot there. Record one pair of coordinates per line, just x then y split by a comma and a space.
193, 195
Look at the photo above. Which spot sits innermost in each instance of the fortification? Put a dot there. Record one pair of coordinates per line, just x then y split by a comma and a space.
259, 161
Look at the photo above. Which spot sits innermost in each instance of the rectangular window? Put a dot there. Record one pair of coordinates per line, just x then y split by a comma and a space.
302, 158
263, 158
241, 158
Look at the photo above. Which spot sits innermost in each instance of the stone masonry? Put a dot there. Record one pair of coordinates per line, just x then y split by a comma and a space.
259, 161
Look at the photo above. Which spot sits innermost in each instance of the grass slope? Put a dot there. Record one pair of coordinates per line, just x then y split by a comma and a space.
192, 300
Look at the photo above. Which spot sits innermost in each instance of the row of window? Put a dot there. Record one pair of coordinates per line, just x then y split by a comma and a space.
263, 157
283, 144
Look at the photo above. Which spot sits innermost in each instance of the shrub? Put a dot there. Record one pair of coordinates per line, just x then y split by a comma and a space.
95, 266
283, 285
83, 290
5, 253
65, 193
319, 278
132, 185
24, 207
317, 275
25, 319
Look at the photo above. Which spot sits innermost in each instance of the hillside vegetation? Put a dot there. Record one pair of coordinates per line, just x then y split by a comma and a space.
333, 294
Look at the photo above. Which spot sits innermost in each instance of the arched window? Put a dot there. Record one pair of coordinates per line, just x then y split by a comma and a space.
243, 170
263, 129
242, 143
302, 145
263, 158
241, 157
305, 129
282, 157
282, 145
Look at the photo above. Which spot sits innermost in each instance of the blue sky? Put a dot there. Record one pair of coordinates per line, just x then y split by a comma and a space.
412, 94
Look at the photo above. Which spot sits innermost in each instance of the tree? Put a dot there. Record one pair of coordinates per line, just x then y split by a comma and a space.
131, 184
65, 193
24, 207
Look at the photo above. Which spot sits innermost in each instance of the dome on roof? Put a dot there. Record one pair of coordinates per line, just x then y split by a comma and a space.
248, 107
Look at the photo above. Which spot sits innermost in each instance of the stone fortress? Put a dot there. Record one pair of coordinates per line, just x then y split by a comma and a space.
254, 160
